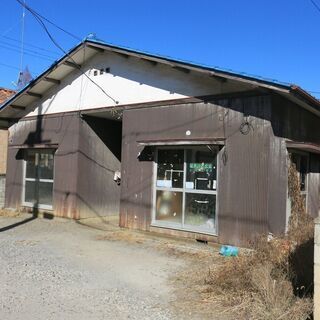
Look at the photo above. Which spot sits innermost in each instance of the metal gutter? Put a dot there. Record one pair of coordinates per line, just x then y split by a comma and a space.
304, 146
193, 141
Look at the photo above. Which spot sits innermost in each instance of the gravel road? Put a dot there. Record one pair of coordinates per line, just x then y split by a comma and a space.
58, 269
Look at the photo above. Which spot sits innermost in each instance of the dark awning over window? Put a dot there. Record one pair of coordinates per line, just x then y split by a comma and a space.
161, 142
304, 146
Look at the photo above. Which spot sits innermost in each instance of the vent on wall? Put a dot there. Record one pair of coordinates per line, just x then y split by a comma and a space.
101, 71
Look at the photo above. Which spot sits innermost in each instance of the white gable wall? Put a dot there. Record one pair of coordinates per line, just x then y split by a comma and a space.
131, 80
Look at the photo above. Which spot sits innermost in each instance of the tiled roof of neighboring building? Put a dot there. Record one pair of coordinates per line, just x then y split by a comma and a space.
5, 94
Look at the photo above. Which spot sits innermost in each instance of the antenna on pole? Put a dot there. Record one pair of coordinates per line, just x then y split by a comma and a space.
24, 74
22, 34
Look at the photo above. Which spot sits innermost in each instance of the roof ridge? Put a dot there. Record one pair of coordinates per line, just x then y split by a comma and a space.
190, 62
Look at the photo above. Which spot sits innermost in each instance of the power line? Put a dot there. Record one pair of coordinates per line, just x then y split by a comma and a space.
315, 5
29, 45
42, 24
33, 12
9, 66
28, 50
12, 67
27, 53
9, 29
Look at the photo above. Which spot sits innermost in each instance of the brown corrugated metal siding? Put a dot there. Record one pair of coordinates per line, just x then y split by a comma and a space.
252, 182
84, 163
252, 185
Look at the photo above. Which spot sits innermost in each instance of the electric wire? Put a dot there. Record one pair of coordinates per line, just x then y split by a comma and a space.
13, 46
46, 19
9, 66
30, 45
13, 67
315, 5
9, 29
27, 53
42, 24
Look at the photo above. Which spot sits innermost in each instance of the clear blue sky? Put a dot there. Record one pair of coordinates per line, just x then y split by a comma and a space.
274, 39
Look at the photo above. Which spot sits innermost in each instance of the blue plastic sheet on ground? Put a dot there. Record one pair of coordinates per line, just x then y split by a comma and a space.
229, 251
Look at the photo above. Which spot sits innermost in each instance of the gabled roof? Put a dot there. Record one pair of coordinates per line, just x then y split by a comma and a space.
18, 105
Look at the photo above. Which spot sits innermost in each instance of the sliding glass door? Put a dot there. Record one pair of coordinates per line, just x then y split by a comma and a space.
186, 188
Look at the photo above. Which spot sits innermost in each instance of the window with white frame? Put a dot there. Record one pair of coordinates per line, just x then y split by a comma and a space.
186, 188
38, 178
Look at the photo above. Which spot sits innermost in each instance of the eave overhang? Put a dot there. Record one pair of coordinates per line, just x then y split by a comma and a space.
22, 102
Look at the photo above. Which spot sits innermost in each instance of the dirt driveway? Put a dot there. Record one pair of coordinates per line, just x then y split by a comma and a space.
58, 269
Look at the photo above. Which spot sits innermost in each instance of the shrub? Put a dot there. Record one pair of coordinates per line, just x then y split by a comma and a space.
275, 279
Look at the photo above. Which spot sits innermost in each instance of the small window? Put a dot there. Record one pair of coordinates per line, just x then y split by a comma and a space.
95, 72
101, 71
38, 178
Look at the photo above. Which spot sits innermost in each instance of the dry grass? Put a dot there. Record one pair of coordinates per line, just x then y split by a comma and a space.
274, 281
271, 282
262, 284
9, 213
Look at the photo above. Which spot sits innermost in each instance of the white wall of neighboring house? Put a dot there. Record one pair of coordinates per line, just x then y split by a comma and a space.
3, 164
316, 297
130, 80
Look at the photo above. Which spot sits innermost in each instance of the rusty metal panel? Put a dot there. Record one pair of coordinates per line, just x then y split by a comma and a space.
61, 130
203, 120
291, 122
66, 165
243, 180
278, 185
243, 176
99, 157
14, 181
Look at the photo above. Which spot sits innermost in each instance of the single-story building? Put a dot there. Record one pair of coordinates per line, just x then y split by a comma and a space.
202, 152
4, 95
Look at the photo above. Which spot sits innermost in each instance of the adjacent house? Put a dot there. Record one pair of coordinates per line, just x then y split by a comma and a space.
202, 152
4, 95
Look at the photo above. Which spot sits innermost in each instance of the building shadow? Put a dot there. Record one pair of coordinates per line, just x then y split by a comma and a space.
301, 264
17, 224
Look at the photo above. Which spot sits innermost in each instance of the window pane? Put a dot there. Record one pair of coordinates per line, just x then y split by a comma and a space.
201, 169
169, 206
31, 165
200, 210
45, 193
170, 168
45, 165
30, 192
39, 165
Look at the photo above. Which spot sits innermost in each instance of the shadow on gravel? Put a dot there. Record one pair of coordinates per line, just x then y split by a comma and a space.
11, 226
